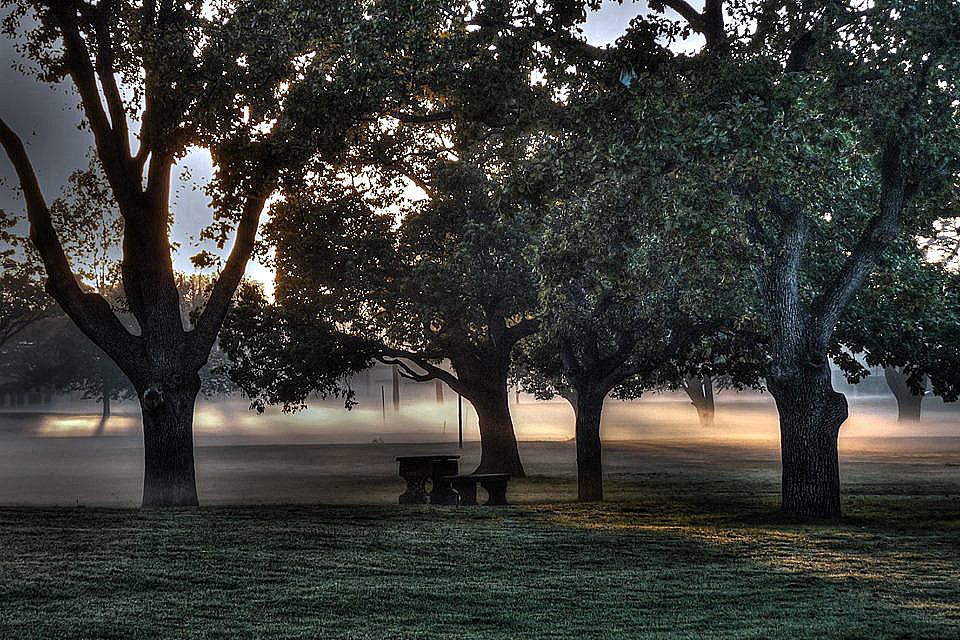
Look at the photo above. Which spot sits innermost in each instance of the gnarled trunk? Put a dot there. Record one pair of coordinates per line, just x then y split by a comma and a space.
499, 452
169, 479
811, 413
588, 409
908, 401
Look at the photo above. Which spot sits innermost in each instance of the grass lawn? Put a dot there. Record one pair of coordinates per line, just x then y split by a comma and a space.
676, 556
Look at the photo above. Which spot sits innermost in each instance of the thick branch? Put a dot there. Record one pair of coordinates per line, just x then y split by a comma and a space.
562, 41
524, 328
105, 71
210, 320
709, 23
876, 237
90, 311
406, 371
433, 372
693, 17
113, 153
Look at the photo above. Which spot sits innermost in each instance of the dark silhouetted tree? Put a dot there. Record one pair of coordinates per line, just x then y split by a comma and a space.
263, 86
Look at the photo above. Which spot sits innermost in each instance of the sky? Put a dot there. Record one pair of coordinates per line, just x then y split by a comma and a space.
47, 119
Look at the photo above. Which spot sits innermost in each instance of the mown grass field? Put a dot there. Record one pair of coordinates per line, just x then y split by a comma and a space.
682, 553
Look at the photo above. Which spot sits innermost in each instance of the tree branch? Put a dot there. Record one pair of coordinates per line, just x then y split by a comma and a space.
90, 311
211, 318
524, 328
693, 17
105, 72
406, 371
876, 237
111, 151
433, 372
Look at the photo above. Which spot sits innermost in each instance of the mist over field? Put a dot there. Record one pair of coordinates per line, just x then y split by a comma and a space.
327, 454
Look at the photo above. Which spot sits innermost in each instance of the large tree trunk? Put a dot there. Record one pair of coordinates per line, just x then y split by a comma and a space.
811, 414
700, 391
588, 411
169, 479
499, 452
908, 402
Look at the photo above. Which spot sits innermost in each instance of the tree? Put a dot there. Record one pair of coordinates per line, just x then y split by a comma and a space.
56, 357
415, 282
263, 87
908, 400
620, 313
700, 391
23, 301
833, 130
448, 281
635, 293
905, 321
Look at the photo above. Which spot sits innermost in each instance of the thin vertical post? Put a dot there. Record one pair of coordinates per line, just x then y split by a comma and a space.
396, 388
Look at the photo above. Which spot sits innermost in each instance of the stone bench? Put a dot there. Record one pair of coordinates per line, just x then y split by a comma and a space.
466, 487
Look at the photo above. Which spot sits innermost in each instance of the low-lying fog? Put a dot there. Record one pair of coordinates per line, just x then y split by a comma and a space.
740, 416
49, 455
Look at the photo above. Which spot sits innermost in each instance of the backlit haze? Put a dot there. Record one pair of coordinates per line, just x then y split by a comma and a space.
46, 454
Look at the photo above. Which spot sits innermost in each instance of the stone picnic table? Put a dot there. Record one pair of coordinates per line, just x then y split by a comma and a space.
416, 470
447, 486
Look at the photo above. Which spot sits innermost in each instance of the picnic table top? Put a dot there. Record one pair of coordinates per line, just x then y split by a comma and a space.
425, 458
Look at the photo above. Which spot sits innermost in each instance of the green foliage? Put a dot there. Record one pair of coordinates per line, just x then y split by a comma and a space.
907, 317
277, 356
23, 300
410, 240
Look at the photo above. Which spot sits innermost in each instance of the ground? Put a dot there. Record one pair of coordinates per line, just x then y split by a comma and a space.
687, 547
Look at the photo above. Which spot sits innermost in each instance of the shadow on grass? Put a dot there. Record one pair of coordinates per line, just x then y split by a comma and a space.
653, 568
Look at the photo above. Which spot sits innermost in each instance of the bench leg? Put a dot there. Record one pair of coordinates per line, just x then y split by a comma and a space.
468, 493
443, 493
496, 492
415, 493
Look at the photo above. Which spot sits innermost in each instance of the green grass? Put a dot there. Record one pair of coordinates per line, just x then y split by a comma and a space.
675, 557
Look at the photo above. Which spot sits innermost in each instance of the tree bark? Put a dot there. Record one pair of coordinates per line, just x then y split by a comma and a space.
499, 452
700, 391
908, 402
169, 478
811, 413
588, 410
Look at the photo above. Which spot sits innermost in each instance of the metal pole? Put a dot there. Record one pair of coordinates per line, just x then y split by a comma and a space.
383, 403
460, 417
